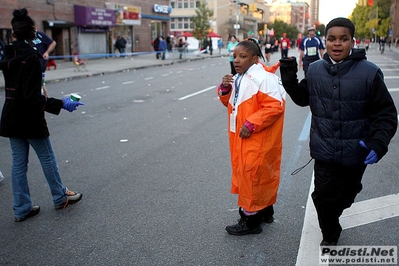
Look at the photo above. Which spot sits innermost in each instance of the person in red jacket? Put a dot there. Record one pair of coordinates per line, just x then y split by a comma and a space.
285, 45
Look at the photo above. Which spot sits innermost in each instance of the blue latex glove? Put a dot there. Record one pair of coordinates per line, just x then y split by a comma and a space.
70, 105
372, 157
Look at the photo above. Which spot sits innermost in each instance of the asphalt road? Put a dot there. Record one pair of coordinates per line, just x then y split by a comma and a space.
149, 152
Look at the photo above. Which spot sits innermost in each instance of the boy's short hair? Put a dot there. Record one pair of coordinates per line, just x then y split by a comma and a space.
341, 22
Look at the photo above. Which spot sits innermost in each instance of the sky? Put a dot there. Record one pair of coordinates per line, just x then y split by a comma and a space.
329, 9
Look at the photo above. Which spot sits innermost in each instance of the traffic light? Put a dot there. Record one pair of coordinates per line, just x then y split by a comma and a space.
253, 7
318, 33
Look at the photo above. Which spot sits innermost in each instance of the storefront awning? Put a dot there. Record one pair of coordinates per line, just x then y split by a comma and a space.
155, 17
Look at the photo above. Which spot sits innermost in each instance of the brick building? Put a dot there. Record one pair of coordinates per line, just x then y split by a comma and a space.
92, 26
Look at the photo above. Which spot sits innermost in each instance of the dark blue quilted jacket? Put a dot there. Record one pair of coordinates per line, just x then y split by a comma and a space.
349, 102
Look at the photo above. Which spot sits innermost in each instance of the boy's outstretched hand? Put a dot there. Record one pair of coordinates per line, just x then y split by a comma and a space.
288, 62
288, 71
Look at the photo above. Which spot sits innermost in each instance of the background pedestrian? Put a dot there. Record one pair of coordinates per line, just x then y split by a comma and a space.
44, 45
310, 50
230, 50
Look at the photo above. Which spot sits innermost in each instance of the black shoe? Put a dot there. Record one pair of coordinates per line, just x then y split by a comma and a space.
35, 210
242, 228
268, 219
267, 214
328, 243
71, 198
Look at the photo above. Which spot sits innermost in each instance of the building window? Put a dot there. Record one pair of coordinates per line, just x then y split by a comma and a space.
184, 4
180, 24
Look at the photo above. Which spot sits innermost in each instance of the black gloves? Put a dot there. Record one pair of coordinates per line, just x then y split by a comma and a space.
288, 62
288, 70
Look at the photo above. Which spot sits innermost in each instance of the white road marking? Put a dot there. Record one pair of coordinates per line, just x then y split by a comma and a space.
369, 211
149, 78
128, 82
306, 128
393, 90
196, 93
308, 252
101, 88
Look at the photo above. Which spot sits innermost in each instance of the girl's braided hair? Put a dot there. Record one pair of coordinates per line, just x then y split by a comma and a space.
253, 46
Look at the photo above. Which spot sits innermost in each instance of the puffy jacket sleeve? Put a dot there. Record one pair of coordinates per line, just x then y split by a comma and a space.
297, 91
383, 116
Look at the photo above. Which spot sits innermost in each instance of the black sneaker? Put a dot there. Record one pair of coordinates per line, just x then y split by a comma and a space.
71, 198
268, 219
267, 214
242, 228
328, 243
35, 210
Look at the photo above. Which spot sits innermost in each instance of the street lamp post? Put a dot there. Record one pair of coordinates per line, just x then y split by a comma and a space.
236, 25
237, 17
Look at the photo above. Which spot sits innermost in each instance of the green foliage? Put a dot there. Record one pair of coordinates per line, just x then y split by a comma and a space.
280, 27
360, 16
319, 28
201, 24
372, 20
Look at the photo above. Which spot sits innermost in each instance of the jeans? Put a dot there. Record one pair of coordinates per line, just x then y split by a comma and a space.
122, 52
20, 158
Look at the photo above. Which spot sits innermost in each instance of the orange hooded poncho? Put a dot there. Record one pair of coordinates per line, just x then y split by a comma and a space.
256, 160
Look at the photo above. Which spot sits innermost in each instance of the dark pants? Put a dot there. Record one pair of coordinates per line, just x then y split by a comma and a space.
306, 62
284, 53
157, 53
233, 69
336, 187
43, 63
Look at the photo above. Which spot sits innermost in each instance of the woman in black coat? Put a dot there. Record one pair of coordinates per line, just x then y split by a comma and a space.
23, 120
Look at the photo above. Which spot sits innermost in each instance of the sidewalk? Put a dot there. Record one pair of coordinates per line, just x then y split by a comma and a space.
66, 70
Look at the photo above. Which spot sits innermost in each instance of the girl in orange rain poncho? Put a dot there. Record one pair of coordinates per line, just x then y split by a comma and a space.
255, 100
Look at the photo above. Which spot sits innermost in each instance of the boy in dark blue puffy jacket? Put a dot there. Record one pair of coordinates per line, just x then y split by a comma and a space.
353, 120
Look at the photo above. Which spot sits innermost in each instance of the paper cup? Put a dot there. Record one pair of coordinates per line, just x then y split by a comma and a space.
75, 97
